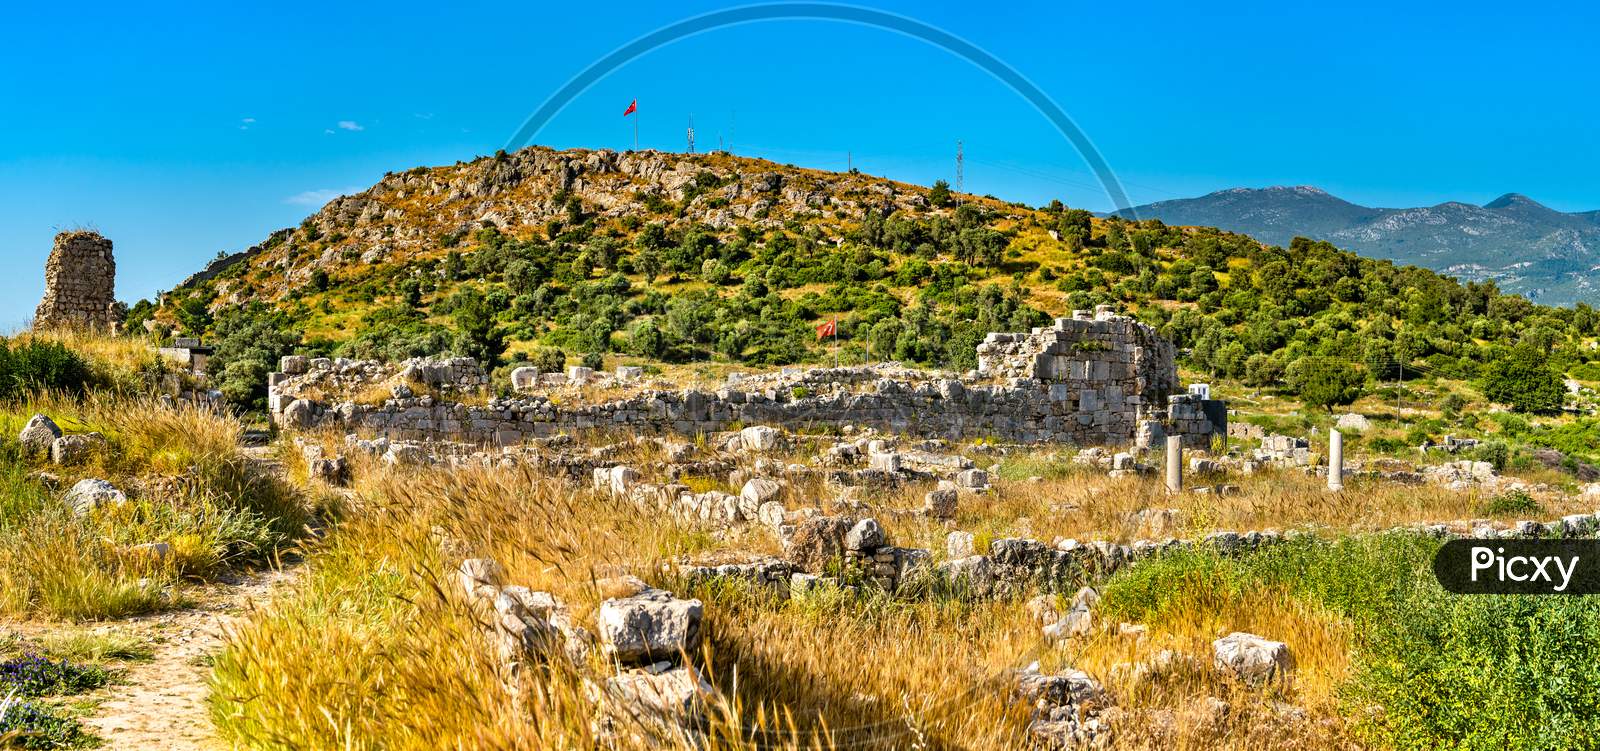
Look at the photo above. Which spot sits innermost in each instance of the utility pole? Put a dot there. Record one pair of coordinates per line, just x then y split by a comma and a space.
691, 134
849, 162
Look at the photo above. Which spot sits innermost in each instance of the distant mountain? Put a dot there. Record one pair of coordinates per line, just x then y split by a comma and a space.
1546, 255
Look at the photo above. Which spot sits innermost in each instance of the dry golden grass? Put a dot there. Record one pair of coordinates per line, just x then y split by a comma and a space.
1086, 505
827, 669
188, 486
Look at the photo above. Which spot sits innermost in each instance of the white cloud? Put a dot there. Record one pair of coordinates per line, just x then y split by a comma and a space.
245, 123
319, 197
350, 125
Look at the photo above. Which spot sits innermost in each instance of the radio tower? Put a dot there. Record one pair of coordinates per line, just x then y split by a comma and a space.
691, 134
960, 168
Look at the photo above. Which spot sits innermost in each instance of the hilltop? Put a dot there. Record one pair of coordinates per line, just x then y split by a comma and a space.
661, 259
1528, 248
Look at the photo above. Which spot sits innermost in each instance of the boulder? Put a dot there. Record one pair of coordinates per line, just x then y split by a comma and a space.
1252, 658
759, 438
294, 364
974, 574
818, 541
72, 449
757, 493
480, 577
616, 480
1042, 610
524, 378
1078, 621
973, 479
865, 537
90, 494
153, 552
886, 461
629, 373
404, 455
772, 515
959, 544
335, 471
38, 435
660, 699
940, 504
1353, 421
652, 626
299, 414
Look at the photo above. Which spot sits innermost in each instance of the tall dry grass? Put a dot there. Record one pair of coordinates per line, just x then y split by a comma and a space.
188, 486
375, 649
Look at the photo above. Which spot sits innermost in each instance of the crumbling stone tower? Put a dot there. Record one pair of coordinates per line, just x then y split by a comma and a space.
79, 283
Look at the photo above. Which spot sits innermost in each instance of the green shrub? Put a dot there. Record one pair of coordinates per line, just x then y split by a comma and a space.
1515, 501
549, 360
1448, 671
37, 365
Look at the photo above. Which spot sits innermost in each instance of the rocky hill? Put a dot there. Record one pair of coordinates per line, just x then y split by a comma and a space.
418, 215
1546, 255
668, 259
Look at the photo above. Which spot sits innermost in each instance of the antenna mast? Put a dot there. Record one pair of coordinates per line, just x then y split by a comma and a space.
691, 134
960, 169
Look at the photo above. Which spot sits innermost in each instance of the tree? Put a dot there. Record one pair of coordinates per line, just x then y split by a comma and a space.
1524, 379
940, 194
1326, 383
478, 335
250, 340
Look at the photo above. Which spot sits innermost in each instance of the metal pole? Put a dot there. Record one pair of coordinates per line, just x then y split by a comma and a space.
1174, 464
1335, 460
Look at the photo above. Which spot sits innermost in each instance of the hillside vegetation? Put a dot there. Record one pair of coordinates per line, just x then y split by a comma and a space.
662, 258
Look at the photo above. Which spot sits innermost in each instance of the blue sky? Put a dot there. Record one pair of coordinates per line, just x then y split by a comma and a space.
180, 132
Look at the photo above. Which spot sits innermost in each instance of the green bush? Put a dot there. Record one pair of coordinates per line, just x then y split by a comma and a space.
549, 360
1515, 501
35, 365
1448, 671
1524, 379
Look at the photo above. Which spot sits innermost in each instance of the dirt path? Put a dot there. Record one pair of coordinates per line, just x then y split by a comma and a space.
160, 703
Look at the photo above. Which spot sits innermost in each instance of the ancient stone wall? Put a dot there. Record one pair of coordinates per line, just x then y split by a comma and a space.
1108, 361
79, 283
1099, 381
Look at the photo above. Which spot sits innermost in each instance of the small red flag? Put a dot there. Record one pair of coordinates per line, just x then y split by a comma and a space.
827, 329
633, 105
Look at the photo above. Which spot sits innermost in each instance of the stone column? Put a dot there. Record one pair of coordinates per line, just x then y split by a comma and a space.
1174, 464
1335, 460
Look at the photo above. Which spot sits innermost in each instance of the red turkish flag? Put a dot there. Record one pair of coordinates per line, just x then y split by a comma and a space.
633, 105
827, 329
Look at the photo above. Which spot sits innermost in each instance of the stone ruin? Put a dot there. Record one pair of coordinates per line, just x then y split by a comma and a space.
79, 284
1093, 379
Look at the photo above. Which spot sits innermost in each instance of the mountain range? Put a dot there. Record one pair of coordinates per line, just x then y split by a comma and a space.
1545, 255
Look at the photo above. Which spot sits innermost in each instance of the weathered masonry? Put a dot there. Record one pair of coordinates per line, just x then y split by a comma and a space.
1100, 379
80, 280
